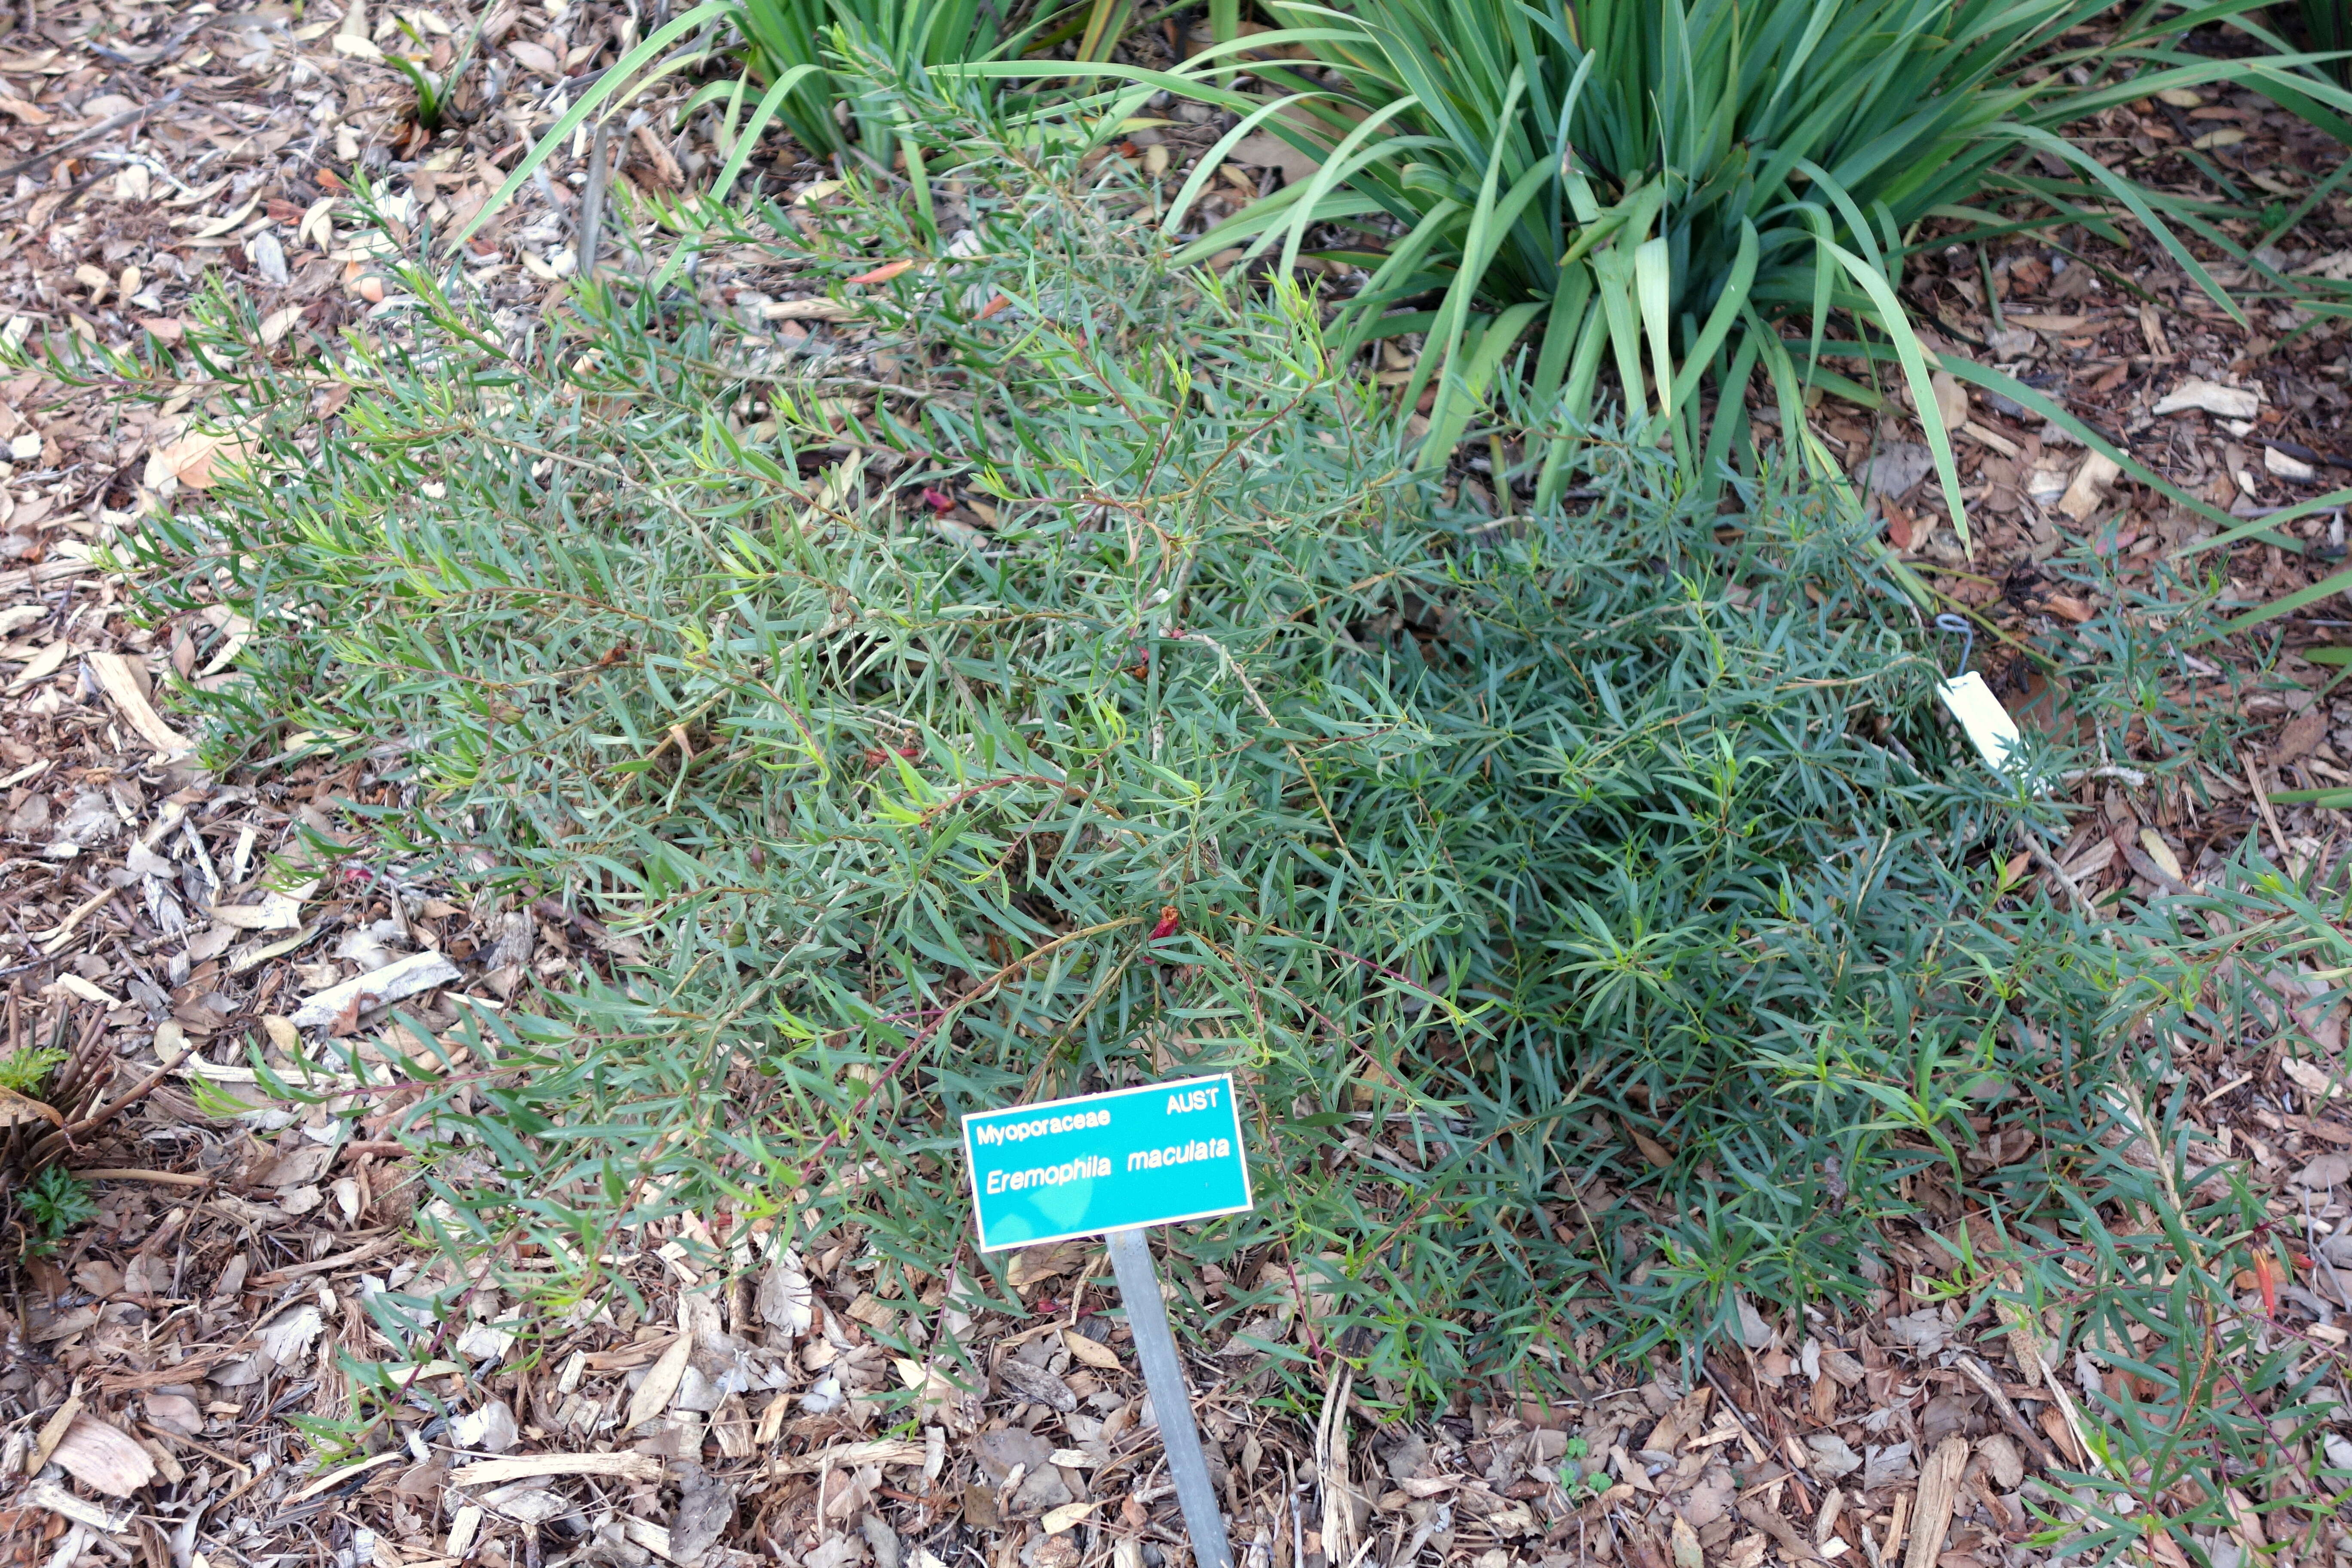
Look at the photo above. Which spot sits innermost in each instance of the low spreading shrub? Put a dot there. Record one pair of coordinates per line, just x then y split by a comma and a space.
1613, 939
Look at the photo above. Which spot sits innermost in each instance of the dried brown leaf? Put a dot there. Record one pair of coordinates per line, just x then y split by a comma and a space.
654, 1394
17, 1108
533, 59
114, 673
194, 459
104, 1458
1034, 1383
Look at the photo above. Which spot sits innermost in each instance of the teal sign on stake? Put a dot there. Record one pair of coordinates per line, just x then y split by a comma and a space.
1106, 1162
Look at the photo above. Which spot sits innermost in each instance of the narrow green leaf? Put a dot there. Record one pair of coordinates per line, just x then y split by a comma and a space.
1914, 359
2286, 604
611, 82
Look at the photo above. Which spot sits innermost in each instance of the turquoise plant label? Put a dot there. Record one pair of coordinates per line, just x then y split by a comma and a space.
1134, 1157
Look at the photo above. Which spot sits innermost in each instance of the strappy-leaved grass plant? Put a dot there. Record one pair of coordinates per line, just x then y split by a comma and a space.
1682, 191
795, 41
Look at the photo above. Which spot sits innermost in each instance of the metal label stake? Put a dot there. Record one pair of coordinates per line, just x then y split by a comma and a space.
1172, 1400
1108, 1165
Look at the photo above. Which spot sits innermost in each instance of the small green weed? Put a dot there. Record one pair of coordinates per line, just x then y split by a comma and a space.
55, 1202
436, 91
26, 1070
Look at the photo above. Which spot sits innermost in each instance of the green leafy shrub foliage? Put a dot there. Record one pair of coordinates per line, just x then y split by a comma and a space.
1602, 923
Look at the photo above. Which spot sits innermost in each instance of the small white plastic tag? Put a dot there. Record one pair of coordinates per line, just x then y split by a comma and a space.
1971, 701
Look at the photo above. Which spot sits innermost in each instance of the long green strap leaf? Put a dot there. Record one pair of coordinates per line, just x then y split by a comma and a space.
1560, 328
2129, 195
1585, 370
1458, 298
1403, 261
1719, 321
750, 139
2268, 524
1470, 391
606, 86
2034, 401
1730, 408
2327, 587
1346, 159
1652, 281
1261, 220
1206, 168
1613, 270
2335, 799
1790, 389
1897, 326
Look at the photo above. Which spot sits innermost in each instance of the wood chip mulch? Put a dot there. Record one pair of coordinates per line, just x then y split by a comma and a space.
168, 1372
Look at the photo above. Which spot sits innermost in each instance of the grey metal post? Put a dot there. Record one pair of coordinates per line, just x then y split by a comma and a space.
1171, 1401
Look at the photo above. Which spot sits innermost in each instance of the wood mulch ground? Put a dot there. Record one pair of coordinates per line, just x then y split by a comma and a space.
158, 1362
